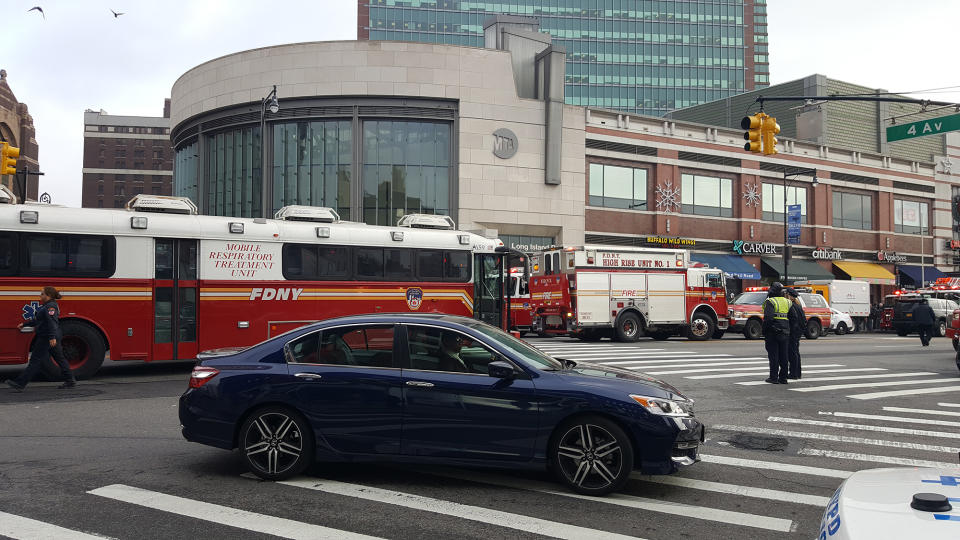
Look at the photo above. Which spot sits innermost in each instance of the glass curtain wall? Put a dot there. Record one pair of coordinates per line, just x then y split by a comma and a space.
185, 170
233, 173
406, 169
311, 164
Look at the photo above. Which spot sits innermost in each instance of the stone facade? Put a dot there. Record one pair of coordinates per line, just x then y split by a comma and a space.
16, 128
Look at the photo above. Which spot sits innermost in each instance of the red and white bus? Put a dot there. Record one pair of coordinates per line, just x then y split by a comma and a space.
158, 282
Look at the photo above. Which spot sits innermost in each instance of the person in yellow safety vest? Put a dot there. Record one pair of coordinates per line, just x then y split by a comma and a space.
776, 333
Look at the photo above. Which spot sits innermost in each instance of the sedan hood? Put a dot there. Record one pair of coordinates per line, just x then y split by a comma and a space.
592, 374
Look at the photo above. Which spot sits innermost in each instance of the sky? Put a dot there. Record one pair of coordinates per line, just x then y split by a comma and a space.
82, 57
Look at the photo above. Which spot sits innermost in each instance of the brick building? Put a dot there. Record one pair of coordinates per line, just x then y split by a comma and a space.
124, 156
16, 128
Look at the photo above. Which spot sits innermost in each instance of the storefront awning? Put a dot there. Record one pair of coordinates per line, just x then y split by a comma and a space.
800, 269
912, 273
733, 266
869, 272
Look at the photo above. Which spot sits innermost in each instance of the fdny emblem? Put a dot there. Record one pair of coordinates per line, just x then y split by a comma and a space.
414, 298
51, 311
30, 310
713, 295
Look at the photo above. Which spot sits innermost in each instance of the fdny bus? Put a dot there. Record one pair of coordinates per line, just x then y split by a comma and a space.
156, 281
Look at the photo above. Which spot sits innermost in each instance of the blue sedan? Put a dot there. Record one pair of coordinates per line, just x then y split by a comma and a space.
434, 389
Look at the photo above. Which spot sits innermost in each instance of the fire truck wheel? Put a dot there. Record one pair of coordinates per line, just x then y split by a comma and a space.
813, 329
591, 455
276, 443
628, 327
84, 349
701, 327
753, 329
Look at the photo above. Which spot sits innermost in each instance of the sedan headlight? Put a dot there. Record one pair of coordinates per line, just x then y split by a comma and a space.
664, 407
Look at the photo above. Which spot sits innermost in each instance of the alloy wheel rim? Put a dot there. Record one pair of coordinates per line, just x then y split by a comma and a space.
273, 443
629, 328
699, 327
589, 456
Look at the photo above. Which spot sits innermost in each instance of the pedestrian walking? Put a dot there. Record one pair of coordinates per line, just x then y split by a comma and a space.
873, 319
924, 318
776, 333
798, 324
46, 320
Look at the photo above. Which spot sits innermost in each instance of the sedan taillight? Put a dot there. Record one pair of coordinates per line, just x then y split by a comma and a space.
202, 375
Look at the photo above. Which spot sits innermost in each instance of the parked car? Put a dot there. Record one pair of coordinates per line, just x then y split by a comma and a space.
746, 312
394, 387
903, 313
840, 322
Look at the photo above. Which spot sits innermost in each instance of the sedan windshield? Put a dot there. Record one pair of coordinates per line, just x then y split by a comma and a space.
755, 298
520, 348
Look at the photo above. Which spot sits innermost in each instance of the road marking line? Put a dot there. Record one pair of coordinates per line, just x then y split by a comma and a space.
844, 370
870, 385
224, 515
865, 427
774, 466
767, 372
625, 354
896, 393
681, 360
929, 421
837, 438
448, 508
733, 489
731, 369
752, 364
23, 528
876, 459
630, 501
922, 411
849, 377
948, 404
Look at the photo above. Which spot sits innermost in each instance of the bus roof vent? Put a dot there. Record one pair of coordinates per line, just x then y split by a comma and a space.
427, 221
318, 214
163, 204
7, 196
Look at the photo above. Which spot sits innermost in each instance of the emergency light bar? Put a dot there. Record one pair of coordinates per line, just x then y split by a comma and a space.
427, 221
7, 196
318, 214
163, 204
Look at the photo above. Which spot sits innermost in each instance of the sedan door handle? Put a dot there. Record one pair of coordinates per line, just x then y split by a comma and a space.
423, 384
308, 376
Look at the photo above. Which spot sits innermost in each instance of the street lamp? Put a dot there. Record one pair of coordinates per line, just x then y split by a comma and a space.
267, 103
794, 172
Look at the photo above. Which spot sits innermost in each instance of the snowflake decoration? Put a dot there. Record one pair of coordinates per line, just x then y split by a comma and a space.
668, 197
946, 164
751, 194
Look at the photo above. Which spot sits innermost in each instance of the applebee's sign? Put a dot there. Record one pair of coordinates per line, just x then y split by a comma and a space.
884, 256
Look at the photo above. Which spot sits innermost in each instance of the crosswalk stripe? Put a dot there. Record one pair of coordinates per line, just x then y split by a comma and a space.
224, 515
851, 377
698, 367
630, 501
870, 385
865, 427
837, 438
23, 528
774, 466
458, 510
767, 372
680, 361
876, 459
948, 404
922, 411
681, 371
897, 393
929, 421
637, 357
637, 354
733, 489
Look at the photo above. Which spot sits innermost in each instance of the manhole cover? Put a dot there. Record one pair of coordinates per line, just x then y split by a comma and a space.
757, 442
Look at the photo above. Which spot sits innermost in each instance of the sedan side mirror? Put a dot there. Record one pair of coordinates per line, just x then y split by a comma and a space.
501, 370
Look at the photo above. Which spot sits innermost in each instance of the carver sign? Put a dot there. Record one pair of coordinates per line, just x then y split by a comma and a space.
742, 247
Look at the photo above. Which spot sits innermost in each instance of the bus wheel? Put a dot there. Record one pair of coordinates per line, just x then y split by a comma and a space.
83, 348
628, 328
701, 327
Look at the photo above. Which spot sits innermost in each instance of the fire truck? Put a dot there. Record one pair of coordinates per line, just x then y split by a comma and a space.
519, 301
592, 292
746, 312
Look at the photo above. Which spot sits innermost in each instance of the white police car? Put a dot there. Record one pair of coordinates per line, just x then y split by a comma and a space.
895, 503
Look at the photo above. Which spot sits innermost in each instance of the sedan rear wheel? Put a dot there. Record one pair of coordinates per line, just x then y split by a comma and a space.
276, 443
591, 455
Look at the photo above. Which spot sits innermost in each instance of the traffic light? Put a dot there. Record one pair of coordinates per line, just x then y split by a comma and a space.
8, 159
769, 130
753, 125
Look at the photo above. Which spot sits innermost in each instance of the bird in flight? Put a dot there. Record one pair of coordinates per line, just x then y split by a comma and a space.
115, 14
37, 8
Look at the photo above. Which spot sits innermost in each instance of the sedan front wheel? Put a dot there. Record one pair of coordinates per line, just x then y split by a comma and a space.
276, 443
591, 455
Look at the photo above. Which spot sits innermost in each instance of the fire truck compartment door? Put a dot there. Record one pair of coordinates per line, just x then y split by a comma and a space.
593, 297
667, 300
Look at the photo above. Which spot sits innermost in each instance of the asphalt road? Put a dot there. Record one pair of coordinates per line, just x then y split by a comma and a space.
106, 459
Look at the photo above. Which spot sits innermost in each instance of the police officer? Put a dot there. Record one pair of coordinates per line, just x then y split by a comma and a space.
776, 332
924, 317
46, 320
798, 325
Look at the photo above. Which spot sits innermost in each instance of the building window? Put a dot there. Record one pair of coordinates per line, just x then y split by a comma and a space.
138, 153
118, 190
618, 187
311, 164
156, 190
773, 201
100, 189
138, 142
137, 164
910, 217
232, 176
406, 169
706, 195
852, 211
100, 203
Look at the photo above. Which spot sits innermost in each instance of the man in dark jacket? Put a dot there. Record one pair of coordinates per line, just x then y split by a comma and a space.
46, 320
924, 317
798, 325
776, 333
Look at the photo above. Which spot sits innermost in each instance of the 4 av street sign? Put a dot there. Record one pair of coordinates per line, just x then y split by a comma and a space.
932, 126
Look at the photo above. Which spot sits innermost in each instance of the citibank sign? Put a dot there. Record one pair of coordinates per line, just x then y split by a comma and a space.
742, 247
827, 254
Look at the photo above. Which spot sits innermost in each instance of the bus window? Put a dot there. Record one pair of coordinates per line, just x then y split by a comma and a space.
8, 253
299, 261
398, 263
369, 263
68, 255
457, 266
333, 262
430, 264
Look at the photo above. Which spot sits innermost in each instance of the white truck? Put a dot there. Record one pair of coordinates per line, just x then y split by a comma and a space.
850, 297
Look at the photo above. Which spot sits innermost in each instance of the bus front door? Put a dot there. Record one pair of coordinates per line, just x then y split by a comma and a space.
175, 296
488, 303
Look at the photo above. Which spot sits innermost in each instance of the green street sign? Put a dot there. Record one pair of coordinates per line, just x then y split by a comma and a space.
932, 126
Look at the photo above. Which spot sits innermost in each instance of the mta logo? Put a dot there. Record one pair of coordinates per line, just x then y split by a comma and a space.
30, 310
